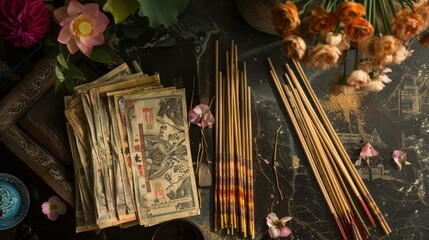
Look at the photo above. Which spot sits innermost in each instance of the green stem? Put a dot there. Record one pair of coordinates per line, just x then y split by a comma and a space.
392, 8
383, 10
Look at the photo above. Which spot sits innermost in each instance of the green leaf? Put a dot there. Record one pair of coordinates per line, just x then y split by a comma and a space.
101, 55
59, 73
162, 12
62, 60
121, 9
74, 73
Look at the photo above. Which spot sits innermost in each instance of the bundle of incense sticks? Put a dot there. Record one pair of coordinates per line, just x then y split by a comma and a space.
333, 169
234, 203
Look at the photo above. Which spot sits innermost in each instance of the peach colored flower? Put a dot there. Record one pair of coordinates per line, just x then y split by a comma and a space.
400, 55
407, 24
359, 29
285, 17
367, 47
358, 78
422, 8
294, 47
349, 11
323, 56
321, 21
386, 45
374, 86
424, 40
82, 26
332, 38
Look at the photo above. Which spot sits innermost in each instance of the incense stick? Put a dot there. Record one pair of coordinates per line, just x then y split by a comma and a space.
234, 207
328, 159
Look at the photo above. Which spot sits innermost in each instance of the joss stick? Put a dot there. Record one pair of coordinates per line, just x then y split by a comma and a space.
217, 136
230, 152
333, 154
250, 195
351, 169
301, 137
352, 221
222, 148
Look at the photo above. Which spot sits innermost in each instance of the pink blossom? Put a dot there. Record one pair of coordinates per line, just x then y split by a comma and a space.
54, 207
82, 26
277, 227
201, 116
400, 159
23, 22
366, 152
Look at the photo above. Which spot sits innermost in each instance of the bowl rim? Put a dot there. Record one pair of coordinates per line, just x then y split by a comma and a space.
162, 225
24, 201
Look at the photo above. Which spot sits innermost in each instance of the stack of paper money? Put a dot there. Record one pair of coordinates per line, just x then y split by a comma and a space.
130, 146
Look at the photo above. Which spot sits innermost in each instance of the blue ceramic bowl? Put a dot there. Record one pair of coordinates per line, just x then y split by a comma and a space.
14, 201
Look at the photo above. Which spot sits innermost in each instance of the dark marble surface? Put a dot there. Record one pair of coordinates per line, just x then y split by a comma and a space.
185, 51
379, 118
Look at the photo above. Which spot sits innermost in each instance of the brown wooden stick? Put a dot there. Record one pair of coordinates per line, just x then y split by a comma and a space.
352, 170
333, 156
305, 147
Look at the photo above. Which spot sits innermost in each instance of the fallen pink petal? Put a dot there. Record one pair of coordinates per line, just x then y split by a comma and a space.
277, 227
53, 208
368, 151
400, 159
201, 116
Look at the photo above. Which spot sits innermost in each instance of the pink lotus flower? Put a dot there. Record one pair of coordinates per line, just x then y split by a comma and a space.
23, 22
201, 116
400, 159
366, 152
277, 227
53, 208
82, 26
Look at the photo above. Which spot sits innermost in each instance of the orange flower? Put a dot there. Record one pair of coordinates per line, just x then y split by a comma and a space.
407, 24
321, 21
285, 17
422, 8
294, 47
323, 56
359, 29
386, 45
349, 11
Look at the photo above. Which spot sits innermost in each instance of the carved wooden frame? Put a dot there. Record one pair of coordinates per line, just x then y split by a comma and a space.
15, 105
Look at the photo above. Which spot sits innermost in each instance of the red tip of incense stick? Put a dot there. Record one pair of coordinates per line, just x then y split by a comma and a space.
340, 226
368, 213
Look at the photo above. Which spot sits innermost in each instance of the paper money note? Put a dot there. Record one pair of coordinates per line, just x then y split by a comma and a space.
160, 154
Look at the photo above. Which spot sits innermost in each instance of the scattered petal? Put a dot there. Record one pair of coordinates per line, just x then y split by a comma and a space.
400, 159
277, 227
201, 116
368, 151
53, 208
